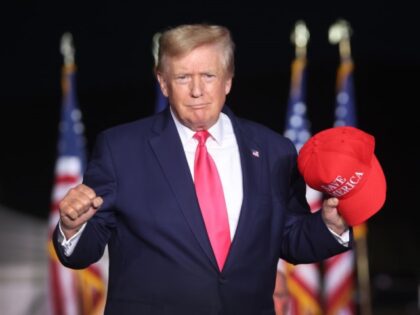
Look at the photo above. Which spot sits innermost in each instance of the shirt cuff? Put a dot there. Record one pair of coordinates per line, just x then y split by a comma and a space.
343, 239
71, 243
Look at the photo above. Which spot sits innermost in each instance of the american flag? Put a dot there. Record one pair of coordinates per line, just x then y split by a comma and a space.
340, 269
71, 292
303, 281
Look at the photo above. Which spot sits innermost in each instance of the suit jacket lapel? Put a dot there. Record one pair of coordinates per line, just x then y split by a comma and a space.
167, 147
251, 163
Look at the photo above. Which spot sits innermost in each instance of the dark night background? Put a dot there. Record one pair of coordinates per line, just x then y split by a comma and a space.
115, 85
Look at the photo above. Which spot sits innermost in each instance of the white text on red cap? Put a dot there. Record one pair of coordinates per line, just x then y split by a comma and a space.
340, 186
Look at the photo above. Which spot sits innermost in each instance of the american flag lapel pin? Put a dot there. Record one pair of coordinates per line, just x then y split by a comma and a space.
255, 153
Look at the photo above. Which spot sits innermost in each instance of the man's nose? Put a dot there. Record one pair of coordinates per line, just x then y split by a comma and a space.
197, 87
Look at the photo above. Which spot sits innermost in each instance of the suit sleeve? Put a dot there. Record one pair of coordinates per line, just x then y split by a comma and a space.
306, 238
100, 176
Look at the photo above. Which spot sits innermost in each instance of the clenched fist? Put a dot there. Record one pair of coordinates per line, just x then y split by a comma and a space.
77, 207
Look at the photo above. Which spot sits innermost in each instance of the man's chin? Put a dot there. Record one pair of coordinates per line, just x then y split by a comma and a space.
200, 124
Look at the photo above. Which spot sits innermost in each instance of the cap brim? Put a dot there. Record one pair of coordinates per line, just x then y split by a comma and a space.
370, 198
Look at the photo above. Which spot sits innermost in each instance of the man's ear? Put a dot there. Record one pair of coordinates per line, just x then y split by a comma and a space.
228, 85
162, 83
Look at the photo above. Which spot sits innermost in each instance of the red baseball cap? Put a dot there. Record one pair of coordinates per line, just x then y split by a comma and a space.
341, 162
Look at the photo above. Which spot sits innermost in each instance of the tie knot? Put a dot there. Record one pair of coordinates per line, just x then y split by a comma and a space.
201, 136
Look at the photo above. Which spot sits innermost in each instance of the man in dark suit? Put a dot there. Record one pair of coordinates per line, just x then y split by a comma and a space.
141, 198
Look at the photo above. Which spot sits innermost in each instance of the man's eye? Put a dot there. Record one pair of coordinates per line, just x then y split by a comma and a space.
181, 78
209, 76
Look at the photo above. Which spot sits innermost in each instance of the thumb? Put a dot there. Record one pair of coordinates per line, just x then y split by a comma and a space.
332, 203
97, 202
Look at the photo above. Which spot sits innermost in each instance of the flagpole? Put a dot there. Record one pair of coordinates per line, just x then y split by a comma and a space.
302, 291
161, 101
155, 48
81, 291
339, 33
68, 51
63, 298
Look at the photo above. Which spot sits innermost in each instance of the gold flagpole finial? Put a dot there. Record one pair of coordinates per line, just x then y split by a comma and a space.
339, 33
300, 37
67, 48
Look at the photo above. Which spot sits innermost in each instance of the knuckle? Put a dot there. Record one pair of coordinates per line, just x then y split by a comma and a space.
62, 205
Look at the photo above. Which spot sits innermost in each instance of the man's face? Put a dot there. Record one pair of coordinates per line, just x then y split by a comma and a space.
196, 85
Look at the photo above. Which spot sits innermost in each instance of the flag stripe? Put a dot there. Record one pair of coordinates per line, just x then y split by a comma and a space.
338, 268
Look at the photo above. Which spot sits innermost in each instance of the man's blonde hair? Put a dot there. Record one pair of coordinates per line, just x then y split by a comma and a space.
182, 39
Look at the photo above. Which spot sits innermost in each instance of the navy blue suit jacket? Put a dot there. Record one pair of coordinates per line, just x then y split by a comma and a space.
161, 261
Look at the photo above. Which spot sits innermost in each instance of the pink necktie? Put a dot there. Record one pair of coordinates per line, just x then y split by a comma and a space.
211, 199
